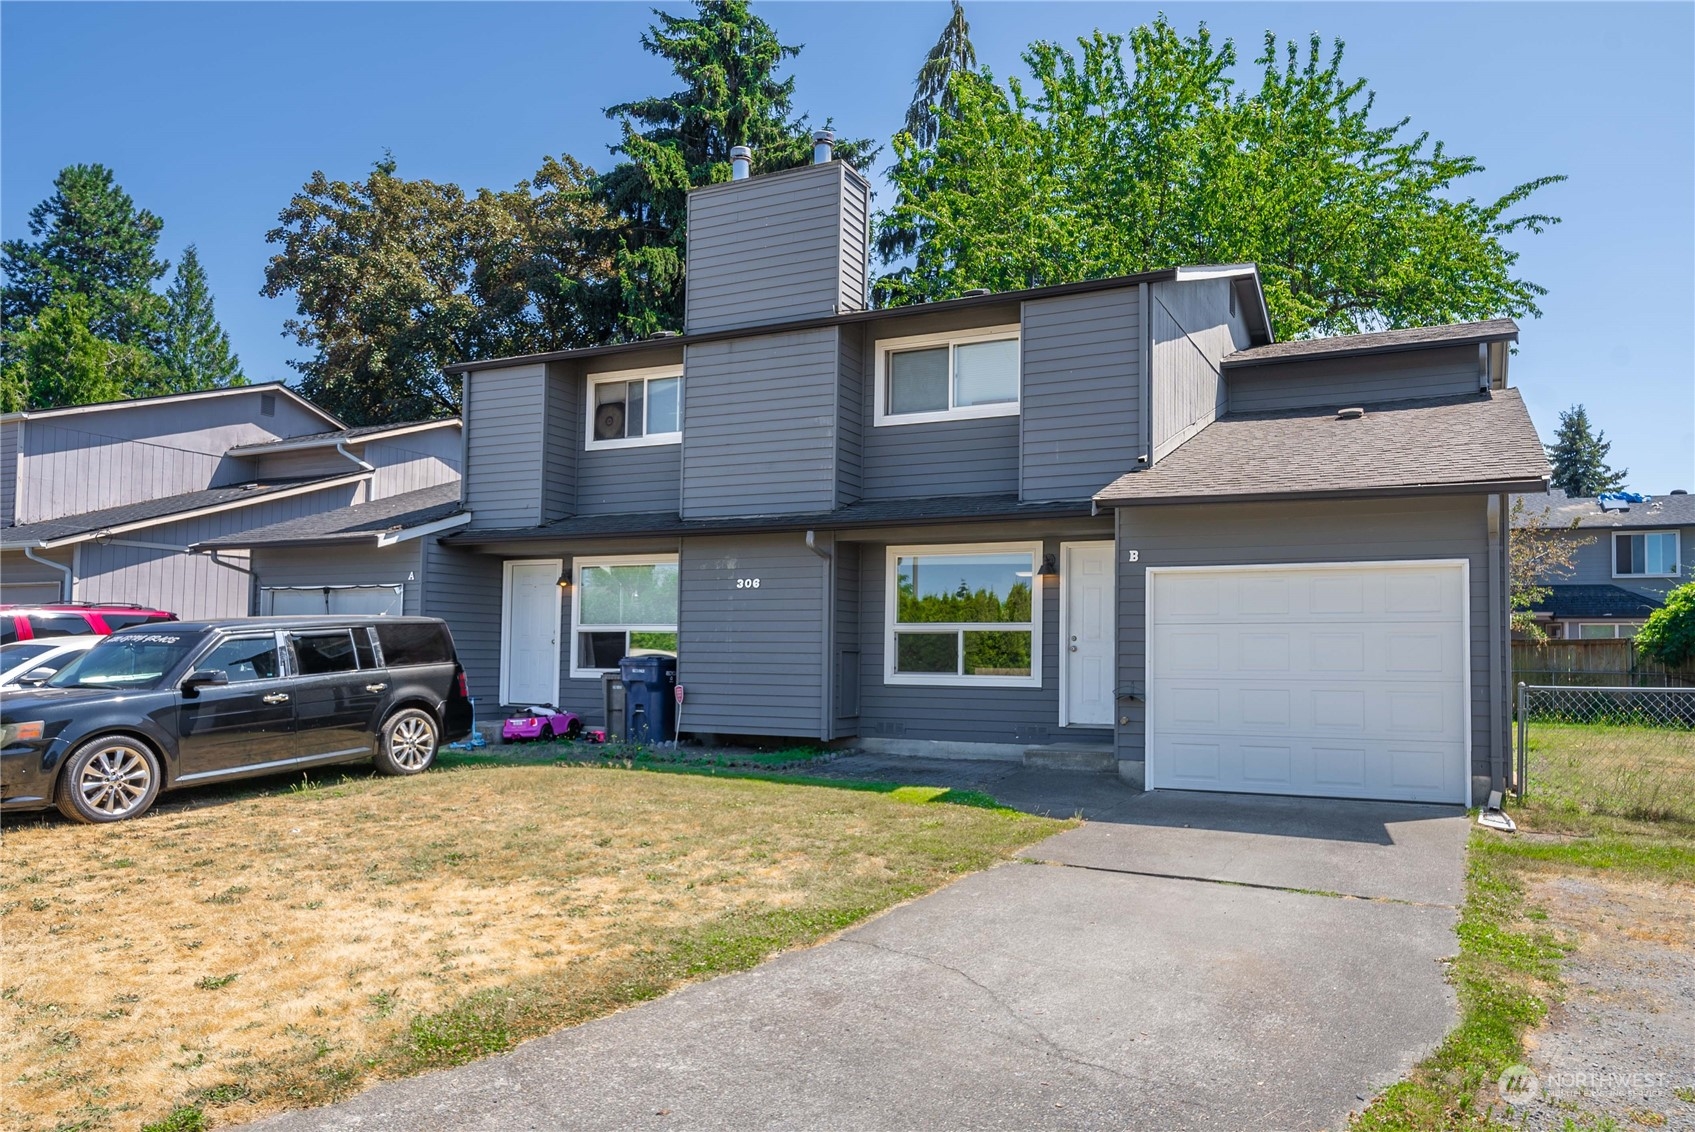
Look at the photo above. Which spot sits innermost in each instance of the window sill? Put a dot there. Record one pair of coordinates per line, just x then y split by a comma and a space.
914, 680
975, 412
657, 441
1648, 577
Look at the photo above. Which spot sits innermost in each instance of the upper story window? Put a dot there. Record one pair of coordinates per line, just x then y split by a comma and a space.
1650, 554
944, 377
630, 408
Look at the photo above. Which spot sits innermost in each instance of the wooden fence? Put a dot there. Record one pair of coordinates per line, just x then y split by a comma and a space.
1594, 664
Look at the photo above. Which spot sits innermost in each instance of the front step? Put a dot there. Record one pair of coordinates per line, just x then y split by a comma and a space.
1071, 756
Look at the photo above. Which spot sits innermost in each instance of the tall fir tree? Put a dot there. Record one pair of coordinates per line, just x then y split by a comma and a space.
1579, 457
55, 358
194, 351
727, 59
90, 240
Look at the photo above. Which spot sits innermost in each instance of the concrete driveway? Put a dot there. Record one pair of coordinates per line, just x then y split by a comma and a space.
1180, 961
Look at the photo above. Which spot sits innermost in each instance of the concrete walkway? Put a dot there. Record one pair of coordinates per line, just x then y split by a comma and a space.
1181, 961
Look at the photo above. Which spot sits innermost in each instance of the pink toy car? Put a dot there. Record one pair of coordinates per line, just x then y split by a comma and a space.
541, 723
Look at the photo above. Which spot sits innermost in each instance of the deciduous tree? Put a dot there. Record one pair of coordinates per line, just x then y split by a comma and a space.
1538, 554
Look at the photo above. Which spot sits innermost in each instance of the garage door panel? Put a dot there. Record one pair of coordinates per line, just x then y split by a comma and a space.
1357, 689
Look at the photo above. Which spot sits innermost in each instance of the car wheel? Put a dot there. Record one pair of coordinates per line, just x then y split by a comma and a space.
573, 729
107, 779
408, 743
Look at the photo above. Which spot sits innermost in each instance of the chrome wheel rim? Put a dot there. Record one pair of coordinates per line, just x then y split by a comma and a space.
115, 781
412, 742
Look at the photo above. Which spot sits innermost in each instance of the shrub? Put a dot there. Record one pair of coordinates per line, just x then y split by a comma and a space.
1669, 634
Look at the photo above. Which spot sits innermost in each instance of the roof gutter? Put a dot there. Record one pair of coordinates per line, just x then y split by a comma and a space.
64, 586
306, 444
1488, 488
1365, 351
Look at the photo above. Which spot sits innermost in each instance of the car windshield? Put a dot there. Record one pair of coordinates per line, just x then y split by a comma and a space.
129, 660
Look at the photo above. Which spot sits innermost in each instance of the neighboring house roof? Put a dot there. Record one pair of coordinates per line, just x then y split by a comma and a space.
1380, 342
1594, 601
362, 435
381, 521
1554, 509
1464, 443
70, 529
882, 512
197, 395
1248, 274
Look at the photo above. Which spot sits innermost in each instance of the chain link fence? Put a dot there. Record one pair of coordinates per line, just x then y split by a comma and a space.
1626, 752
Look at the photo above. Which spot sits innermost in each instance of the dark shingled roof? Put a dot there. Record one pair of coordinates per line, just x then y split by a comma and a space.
340, 434
1554, 508
152, 511
1465, 443
360, 522
947, 509
1594, 601
1380, 342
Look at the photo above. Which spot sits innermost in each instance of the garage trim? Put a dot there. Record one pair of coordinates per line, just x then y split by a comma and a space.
1463, 564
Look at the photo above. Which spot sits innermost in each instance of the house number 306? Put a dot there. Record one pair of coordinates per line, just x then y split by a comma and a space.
747, 583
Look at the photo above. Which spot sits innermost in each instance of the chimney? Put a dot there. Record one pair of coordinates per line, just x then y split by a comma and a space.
741, 161
823, 146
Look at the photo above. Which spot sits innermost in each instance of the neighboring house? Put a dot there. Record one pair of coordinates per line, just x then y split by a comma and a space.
1115, 516
1630, 555
107, 502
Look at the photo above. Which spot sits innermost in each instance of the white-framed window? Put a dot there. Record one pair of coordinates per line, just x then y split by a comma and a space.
945, 377
967, 615
1604, 630
382, 601
1645, 554
635, 407
623, 605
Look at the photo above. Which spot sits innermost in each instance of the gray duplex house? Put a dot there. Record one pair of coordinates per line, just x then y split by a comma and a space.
1113, 522
147, 501
1626, 557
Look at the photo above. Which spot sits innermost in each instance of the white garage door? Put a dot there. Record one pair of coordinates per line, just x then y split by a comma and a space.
1343, 681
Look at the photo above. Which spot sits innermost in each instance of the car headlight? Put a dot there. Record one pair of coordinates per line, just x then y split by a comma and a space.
21, 732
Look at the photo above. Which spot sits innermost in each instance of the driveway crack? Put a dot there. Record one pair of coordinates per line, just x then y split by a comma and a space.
1243, 884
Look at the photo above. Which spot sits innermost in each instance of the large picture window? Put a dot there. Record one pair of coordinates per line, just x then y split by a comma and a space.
937, 377
635, 407
964, 615
620, 607
1650, 554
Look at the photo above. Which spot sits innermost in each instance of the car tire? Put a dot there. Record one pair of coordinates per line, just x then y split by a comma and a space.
109, 778
573, 729
408, 743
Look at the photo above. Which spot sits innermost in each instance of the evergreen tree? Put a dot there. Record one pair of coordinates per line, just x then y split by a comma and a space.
1580, 457
55, 358
196, 351
727, 59
90, 240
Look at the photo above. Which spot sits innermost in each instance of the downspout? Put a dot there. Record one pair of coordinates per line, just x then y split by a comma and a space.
341, 447
64, 586
826, 697
1498, 728
1144, 379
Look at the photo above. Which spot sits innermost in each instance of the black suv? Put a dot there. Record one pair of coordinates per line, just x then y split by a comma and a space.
161, 706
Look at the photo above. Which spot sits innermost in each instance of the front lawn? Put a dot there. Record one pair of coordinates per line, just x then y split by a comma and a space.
282, 947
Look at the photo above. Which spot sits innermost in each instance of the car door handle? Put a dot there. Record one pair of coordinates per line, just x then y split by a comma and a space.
375, 687
277, 698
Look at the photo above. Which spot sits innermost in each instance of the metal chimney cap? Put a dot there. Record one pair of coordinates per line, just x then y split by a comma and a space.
823, 146
741, 162
823, 135
1353, 413
741, 151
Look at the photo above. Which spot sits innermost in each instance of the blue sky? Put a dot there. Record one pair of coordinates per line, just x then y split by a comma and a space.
213, 114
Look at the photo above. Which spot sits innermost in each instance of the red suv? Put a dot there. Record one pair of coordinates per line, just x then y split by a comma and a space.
73, 619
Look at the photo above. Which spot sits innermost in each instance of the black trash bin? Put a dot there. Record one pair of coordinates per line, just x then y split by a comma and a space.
650, 703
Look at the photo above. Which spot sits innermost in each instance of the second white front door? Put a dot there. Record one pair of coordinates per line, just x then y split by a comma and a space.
1086, 642
529, 653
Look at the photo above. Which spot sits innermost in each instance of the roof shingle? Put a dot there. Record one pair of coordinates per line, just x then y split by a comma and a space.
350, 524
1554, 509
1483, 443
1378, 342
1594, 601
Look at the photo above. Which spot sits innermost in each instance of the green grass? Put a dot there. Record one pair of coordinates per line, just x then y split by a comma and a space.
1641, 773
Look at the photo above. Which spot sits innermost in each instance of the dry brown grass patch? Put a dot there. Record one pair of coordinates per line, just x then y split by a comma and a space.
275, 950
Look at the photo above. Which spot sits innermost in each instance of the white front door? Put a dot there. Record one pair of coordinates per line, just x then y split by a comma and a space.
529, 633
1341, 680
1086, 636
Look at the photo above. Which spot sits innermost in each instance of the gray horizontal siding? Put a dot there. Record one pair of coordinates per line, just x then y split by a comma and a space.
971, 457
1592, 563
1273, 533
617, 481
964, 715
1081, 393
505, 435
773, 248
564, 437
463, 589
365, 565
1338, 382
753, 660
759, 425
850, 417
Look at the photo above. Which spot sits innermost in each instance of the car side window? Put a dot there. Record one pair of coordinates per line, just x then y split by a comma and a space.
245, 658
362, 646
317, 654
116, 621
59, 624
